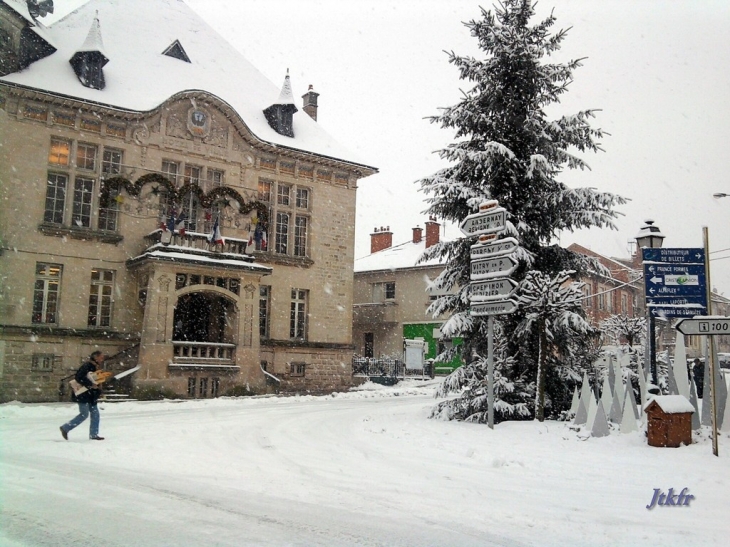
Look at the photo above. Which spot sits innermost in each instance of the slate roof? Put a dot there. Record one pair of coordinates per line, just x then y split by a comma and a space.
139, 77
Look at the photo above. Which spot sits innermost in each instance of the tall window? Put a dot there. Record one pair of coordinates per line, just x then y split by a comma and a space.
264, 190
303, 198
45, 293
298, 315
60, 152
55, 198
264, 308
109, 212
111, 162
170, 170
83, 197
282, 194
282, 233
215, 178
100, 298
192, 175
86, 156
300, 236
624, 303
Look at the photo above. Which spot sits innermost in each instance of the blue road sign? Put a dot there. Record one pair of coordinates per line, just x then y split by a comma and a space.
699, 301
675, 311
674, 256
674, 280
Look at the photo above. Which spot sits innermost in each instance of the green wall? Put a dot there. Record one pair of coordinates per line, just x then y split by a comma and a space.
425, 331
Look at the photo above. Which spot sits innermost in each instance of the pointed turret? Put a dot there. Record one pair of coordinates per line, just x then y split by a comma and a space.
89, 60
280, 114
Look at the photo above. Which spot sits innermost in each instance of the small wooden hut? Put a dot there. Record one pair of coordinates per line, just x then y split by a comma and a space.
669, 420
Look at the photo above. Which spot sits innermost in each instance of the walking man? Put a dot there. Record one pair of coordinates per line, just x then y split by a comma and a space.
86, 394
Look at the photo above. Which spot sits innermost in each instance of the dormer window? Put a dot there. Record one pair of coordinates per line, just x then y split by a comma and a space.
88, 62
280, 114
176, 51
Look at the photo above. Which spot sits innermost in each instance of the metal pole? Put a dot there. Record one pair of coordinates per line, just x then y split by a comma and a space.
711, 356
652, 349
490, 370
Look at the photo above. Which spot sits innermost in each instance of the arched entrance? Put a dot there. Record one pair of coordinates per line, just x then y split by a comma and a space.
204, 317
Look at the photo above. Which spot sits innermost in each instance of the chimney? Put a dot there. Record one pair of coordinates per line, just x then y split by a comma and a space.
417, 234
432, 232
310, 102
381, 239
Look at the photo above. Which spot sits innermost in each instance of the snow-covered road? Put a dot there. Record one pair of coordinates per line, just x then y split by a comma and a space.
362, 468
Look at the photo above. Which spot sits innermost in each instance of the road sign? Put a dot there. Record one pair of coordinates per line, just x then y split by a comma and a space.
491, 289
699, 301
494, 248
499, 307
675, 311
709, 326
679, 280
492, 267
674, 256
487, 222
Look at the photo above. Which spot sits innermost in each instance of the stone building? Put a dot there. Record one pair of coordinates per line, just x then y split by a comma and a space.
392, 294
162, 201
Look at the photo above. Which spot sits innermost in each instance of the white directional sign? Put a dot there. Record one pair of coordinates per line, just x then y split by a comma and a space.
491, 289
487, 222
494, 248
500, 266
498, 307
709, 326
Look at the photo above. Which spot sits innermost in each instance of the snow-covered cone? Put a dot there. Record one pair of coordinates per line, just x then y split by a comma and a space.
720, 390
671, 381
616, 414
600, 424
628, 420
618, 382
631, 397
611, 370
642, 389
581, 414
693, 400
726, 414
606, 396
574, 403
585, 390
680, 366
592, 408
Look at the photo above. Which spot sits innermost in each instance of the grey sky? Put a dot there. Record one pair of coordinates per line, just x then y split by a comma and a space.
658, 70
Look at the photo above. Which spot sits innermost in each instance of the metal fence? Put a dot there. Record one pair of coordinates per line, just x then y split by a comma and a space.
387, 368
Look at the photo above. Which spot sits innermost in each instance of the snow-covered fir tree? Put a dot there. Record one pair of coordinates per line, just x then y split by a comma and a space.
507, 148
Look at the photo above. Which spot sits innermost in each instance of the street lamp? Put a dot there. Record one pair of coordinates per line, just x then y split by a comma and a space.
650, 236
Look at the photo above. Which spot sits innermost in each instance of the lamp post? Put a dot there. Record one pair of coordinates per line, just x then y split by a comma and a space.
650, 236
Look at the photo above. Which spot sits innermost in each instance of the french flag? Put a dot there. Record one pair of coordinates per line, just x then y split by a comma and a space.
180, 224
259, 236
215, 236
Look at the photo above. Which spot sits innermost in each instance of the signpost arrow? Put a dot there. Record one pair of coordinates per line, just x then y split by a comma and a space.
709, 326
491, 289
673, 255
492, 267
494, 248
498, 307
488, 222
664, 310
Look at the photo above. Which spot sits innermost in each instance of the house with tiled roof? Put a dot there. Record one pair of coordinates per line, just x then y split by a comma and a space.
164, 202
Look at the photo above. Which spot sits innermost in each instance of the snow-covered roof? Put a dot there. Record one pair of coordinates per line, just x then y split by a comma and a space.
396, 257
93, 40
21, 8
244, 263
139, 77
671, 404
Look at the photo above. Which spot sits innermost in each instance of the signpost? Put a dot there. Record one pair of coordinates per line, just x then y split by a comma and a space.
675, 281
490, 288
709, 326
488, 221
